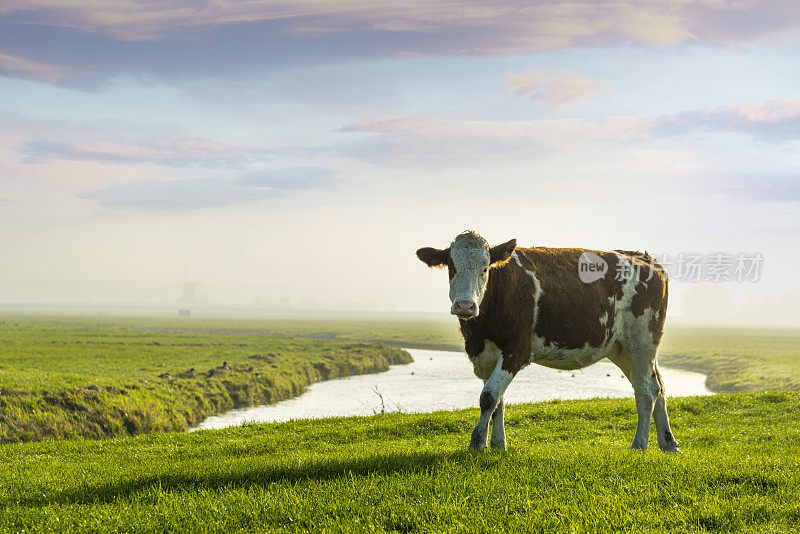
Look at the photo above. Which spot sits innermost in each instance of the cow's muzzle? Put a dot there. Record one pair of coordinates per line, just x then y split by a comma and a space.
465, 309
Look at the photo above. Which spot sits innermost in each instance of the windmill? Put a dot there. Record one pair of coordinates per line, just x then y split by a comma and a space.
188, 294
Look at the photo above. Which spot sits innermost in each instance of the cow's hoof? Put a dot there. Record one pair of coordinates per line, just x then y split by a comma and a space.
670, 446
477, 445
498, 443
478, 441
476, 449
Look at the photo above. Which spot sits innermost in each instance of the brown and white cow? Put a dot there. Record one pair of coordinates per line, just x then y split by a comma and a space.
528, 305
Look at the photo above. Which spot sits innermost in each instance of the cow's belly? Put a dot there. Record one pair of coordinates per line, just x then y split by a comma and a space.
568, 359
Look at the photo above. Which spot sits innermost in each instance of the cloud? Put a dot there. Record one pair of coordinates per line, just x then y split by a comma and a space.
766, 119
204, 39
559, 89
545, 132
19, 67
391, 124
290, 179
429, 139
753, 186
146, 21
542, 24
196, 193
176, 150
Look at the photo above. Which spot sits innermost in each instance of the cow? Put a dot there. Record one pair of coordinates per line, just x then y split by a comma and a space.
517, 306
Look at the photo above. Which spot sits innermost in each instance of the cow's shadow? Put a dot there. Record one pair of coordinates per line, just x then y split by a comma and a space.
313, 470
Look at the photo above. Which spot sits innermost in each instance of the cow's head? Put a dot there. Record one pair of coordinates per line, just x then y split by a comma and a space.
468, 259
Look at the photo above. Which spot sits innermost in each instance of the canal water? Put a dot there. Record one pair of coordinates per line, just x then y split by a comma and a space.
442, 380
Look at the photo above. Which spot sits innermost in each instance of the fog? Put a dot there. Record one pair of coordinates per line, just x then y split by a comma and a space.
344, 259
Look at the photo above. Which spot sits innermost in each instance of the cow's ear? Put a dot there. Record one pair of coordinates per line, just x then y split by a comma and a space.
433, 257
502, 252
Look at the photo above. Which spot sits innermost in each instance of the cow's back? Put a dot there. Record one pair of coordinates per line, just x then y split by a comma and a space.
576, 323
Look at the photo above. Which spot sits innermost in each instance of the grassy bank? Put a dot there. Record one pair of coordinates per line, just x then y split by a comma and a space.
78, 377
736, 359
568, 469
71, 376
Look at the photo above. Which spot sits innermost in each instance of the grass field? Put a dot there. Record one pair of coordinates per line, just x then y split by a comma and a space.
72, 376
735, 358
78, 377
568, 469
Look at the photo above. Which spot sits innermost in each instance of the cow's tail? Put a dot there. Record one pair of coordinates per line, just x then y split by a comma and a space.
660, 380
663, 314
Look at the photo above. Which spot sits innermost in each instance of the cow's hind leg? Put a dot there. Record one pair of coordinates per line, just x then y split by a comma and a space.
491, 396
498, 439
666, 441
646, 389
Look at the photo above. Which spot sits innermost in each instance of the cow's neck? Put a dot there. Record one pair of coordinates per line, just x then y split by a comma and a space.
493, 312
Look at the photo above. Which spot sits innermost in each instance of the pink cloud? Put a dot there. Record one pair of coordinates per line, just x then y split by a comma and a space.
559, 89
33, 70
428, 138
762, 112
172, 151
501, 26
43, 141
95, 41
778, 119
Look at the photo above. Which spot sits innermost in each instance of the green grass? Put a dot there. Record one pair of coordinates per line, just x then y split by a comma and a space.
735, 358
568, 469
72, 376
79, 377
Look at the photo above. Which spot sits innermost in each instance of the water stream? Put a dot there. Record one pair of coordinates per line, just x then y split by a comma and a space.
441, 380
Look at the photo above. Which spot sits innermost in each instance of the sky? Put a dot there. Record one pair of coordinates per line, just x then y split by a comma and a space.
302, 151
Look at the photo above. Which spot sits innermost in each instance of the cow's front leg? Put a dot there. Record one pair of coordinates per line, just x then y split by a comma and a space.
491, 396
498, 439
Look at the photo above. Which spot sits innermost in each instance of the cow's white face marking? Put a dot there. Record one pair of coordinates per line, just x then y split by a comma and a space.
471, 260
